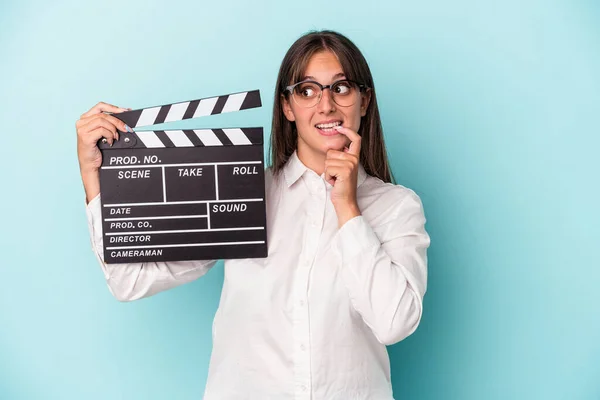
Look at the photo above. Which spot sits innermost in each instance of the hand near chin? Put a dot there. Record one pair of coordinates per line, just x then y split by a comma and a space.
341, 171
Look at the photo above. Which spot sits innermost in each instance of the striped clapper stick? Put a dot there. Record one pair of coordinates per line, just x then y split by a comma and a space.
170, 195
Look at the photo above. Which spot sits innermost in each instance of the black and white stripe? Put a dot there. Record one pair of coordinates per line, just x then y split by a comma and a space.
191, 109
199, 137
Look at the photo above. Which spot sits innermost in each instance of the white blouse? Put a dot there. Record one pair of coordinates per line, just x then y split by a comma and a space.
311, 320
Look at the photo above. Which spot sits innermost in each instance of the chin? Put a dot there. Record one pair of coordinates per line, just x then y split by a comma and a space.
337, 142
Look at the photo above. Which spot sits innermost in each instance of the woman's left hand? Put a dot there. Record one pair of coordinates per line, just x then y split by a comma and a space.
341, 171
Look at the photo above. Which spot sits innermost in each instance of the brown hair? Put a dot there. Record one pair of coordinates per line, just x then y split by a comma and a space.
284, 136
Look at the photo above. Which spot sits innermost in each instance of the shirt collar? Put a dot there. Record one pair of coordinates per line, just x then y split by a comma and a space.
294, 169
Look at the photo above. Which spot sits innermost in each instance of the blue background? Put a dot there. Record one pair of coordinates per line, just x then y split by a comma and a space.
491, 112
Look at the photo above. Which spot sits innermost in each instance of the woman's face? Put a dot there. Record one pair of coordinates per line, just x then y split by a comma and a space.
314, 138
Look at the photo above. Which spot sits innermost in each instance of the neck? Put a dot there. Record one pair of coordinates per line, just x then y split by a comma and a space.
312, 161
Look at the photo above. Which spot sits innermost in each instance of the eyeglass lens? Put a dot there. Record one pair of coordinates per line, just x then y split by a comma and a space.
308, 94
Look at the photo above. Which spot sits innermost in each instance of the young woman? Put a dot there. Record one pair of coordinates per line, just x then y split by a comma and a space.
347, 265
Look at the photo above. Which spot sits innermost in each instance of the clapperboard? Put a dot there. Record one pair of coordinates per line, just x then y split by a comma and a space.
170, 195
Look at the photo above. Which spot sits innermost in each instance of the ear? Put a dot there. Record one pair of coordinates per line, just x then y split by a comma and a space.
364, 102
287, 109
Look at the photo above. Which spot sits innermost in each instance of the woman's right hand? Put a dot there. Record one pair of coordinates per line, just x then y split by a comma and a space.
92, 126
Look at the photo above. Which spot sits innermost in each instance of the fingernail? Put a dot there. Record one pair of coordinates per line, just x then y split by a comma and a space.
128, 129
338, 127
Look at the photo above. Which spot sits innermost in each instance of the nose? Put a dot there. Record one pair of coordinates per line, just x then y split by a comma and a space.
326, 104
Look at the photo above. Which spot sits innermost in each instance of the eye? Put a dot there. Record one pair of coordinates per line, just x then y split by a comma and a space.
307, 90
342, 88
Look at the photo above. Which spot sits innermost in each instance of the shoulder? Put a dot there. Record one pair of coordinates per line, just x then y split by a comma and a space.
274, 183
388, 200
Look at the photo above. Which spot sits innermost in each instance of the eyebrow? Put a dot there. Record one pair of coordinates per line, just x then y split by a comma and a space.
309, 77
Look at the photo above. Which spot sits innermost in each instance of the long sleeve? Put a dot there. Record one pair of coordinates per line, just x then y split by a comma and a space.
133, 281
384, 268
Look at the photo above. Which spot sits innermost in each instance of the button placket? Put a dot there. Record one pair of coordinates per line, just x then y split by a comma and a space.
301, 309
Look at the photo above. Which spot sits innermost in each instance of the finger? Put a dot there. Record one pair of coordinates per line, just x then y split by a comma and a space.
85, 131
339, 169
341, 155
329, 176
87, 116
335, 172
103, 107
330, 163
120, 125
100, 133
84, 134
354, 137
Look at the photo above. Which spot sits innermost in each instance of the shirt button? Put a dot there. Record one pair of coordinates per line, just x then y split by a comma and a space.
301, 303
302, 347
303, 387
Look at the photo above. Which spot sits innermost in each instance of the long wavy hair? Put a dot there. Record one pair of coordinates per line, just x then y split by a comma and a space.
284, 136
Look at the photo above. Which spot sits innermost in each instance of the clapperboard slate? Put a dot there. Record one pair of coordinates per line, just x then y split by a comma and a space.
184, 194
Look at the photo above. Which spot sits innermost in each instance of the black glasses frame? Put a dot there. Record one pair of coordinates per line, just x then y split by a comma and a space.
290, 89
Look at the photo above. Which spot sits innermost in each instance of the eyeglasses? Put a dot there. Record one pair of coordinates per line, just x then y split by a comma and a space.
308, 93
